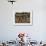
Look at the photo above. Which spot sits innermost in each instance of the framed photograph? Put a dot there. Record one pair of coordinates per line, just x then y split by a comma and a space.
23, 18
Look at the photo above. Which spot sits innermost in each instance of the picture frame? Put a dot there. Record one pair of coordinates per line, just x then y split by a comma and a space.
23, 18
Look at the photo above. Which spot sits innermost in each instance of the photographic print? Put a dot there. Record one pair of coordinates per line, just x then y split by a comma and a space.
23, 18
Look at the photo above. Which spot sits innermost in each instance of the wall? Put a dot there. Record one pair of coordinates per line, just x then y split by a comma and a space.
9, 31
